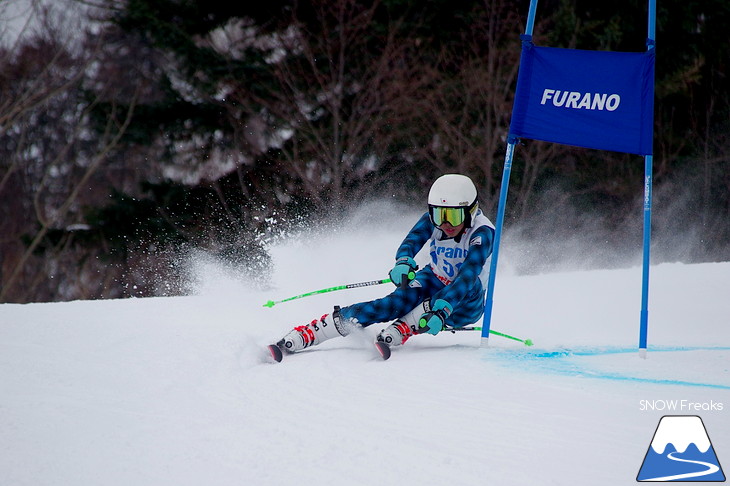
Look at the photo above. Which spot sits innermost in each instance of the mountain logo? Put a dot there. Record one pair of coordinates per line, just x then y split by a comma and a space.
681, 451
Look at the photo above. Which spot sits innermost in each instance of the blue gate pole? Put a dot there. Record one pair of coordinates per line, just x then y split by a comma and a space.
648, 162
644, 320
531, 17
487, 319
489, 302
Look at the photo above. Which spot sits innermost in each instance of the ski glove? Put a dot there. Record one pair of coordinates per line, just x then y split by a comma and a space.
403, 272
432, 321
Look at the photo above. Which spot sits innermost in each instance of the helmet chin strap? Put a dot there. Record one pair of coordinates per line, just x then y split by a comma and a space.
456, 237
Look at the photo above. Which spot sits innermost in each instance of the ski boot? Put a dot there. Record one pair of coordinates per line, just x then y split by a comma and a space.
301, 337
395, 334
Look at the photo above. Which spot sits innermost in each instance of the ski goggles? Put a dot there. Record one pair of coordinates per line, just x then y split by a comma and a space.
440, 215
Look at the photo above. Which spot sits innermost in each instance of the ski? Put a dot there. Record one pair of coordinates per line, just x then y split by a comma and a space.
383, 349
276, 353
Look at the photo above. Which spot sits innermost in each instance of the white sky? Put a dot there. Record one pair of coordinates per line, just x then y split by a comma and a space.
19, 17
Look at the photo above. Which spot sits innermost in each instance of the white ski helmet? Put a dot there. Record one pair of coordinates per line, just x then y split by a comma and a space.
453, 191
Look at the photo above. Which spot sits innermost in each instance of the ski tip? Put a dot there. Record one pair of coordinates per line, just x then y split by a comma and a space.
276, 353
383, 349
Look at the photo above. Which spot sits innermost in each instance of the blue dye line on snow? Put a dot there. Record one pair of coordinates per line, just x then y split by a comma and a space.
559, 362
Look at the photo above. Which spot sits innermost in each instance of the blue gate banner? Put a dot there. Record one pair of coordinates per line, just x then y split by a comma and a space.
595, 99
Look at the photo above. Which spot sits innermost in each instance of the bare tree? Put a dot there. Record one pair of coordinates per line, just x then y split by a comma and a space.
50, 151
466, 112
339, 100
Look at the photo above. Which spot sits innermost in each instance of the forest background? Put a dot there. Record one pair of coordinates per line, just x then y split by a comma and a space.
135, 132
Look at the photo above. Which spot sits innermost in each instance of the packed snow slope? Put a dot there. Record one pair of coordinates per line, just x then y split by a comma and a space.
179, 391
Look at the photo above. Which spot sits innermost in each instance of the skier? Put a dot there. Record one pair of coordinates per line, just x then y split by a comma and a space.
446, 292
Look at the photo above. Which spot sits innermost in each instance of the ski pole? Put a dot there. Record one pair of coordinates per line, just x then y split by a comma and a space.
526, 342
272, 303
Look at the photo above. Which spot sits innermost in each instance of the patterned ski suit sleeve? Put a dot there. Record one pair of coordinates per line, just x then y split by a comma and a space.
480, 248
416, 238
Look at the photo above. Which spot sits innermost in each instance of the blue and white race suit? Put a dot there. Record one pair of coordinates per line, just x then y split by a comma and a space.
455, 273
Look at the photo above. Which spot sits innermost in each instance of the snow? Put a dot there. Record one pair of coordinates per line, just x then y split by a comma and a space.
680, 432
179, 390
